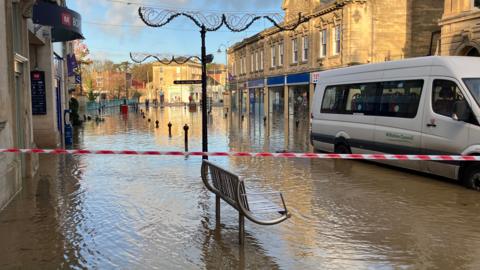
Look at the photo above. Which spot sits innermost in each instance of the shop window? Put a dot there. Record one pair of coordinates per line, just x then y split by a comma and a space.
400, 98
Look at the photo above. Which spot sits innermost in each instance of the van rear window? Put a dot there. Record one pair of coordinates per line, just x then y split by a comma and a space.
391, 98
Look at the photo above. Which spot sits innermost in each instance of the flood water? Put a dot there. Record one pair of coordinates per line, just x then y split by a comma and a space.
141, 212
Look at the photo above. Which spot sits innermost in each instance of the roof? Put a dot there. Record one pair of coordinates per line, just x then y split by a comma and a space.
460, 66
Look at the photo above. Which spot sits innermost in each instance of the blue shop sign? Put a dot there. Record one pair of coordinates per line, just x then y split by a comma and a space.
256, 83
276, 81
301, 78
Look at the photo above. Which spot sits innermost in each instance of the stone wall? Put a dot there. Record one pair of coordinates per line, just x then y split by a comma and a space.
9, 173
371, 31
460, 28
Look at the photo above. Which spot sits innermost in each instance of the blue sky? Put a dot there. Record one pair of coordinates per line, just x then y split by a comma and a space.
113, 29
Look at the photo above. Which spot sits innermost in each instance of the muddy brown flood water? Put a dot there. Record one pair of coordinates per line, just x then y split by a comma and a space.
129, 212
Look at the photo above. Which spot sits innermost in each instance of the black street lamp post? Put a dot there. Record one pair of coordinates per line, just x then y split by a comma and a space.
212, 22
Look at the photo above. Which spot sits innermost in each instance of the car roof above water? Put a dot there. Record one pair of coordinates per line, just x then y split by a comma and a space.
457, 66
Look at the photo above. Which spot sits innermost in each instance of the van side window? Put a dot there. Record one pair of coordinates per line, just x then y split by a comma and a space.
444, 95
448, 99
333, 99
361, 98
400, 98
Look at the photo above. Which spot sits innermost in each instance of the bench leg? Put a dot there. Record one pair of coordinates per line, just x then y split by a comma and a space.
217, 208
241, 228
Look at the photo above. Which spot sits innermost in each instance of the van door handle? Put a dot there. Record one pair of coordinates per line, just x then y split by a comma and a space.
431, 125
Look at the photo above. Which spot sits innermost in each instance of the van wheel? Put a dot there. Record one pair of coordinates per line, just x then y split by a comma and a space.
342, 149
471, 178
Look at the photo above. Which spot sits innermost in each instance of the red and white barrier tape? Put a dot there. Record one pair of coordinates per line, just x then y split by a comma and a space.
245, 154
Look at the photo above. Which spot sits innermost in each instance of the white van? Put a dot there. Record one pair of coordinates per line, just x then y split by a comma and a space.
426, 105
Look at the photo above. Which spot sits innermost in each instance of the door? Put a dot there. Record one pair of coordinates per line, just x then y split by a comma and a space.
441, 134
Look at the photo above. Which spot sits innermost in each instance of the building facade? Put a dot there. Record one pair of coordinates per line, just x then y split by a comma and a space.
460, 24
15, 103
165, 75
275, 72
32, 79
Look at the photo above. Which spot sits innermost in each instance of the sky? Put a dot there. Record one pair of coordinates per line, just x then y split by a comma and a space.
113, 28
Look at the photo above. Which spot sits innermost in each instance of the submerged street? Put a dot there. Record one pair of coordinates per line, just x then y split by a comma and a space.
140, 212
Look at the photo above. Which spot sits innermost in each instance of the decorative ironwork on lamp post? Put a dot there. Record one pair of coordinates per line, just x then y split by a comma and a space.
212, 22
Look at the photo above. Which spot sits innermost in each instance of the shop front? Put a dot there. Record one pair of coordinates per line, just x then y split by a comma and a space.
255, 93
298, 96
276, 95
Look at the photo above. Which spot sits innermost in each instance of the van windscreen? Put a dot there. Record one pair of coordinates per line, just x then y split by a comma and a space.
473, 85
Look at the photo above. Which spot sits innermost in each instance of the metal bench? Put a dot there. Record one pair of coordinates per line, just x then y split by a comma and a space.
257, 207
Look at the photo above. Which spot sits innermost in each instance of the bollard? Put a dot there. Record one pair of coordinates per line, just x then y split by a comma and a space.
185, 128
226, 114
264, 120
169, 129
243, 117
296, 123
156, 123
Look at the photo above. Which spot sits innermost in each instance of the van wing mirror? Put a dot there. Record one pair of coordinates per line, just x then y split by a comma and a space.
461, 111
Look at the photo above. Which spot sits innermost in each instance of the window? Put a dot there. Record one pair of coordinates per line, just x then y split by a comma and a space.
390, 99
333, 99
294, 51
323, 43
336, 39
400, 98
473, 84
252, 62
280, 54
361, 98
445, 96
256, 61
245, 64
274, 59
241, 65
305, 49
476, 3
261, 60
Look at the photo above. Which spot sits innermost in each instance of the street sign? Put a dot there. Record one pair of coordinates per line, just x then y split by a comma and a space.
188, 82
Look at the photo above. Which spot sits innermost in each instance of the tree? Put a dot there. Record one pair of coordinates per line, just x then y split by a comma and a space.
142, 72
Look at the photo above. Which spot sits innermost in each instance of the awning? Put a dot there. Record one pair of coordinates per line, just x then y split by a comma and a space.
66, 23
298, 79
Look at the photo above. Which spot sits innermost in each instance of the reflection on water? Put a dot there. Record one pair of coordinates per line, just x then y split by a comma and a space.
134, 212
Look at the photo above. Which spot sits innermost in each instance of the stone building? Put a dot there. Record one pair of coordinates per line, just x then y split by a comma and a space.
460, 24
165, 75
15, 105
32, 78
275, 72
